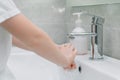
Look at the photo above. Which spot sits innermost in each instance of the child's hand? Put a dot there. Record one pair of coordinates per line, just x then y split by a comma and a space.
72, 66
70, 52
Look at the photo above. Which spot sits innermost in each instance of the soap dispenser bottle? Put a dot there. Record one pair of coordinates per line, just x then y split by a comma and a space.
79, 42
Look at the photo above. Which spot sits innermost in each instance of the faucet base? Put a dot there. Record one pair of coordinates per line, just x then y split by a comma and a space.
101, 58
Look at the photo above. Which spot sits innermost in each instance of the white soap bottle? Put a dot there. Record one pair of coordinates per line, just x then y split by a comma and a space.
79, 42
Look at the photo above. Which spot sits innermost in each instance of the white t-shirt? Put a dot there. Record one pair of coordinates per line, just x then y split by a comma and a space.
7, 10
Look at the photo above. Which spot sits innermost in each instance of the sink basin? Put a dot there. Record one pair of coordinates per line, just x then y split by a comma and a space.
28, 66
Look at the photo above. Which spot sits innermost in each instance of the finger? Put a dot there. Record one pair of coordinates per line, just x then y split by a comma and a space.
73, 66
67, 68
59, 46
62, 45
74, 54
75, 51
65, 45
69, 45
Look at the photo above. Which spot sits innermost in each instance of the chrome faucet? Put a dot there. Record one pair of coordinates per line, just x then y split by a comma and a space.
96, 36
97, 40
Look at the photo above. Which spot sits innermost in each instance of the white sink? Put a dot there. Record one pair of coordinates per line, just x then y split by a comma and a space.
31, 67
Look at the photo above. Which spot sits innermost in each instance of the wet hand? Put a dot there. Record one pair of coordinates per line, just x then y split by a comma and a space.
70, 52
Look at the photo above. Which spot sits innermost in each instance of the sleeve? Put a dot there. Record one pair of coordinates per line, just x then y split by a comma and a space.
7, 10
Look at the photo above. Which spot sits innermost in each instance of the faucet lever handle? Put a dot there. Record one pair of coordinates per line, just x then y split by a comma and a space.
98, 20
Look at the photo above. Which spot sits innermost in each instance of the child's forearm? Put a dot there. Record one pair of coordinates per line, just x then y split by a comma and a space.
16, 42
37, 40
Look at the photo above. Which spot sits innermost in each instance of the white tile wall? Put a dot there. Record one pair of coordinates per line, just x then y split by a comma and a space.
111, 30
48, 15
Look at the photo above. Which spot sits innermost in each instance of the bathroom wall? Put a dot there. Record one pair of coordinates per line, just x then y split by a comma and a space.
48, 15
51, 16
111, 29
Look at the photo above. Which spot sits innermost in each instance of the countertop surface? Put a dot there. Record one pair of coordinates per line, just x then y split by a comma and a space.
108, 65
